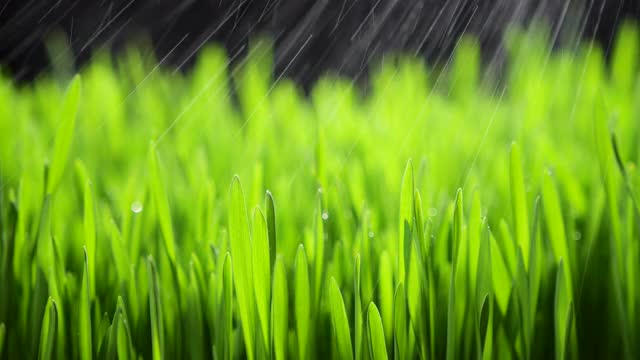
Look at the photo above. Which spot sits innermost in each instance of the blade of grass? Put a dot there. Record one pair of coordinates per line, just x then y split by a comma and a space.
302, 302
85, 311
386, 296
279, 311
342, 336
375, 333
161, 201
270, 207
240, 240
155, 311
318, 258
64, 134
90, 229
519, 202
451, 307
261, 272
400, 330
358, 321
405, 220
48, 332
223, 335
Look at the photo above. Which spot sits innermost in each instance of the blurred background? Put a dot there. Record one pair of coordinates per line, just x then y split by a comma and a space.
311, 37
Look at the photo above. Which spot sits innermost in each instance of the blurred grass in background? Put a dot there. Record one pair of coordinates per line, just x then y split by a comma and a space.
356, 251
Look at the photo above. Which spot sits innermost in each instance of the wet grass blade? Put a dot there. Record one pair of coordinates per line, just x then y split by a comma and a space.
3, 335
261, 273
451, 307
240, 240
405, 220
89, 226
318, 260
48, 332
340, 322
161, 201
64, 134
270, 206
357, 319
519, 202
302, 302
386, 297
562, 308
400, 329
85, 311
375, 332
484, 296
223, 335
155, 311
280, 311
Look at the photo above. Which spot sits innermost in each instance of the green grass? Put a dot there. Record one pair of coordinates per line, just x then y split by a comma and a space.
441, 213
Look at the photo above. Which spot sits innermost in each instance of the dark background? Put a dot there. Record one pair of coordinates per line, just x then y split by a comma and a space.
311, 37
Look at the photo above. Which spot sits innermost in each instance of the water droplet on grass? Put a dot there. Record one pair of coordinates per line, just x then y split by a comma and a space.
432, 212
577, 235
136, 207
325, 215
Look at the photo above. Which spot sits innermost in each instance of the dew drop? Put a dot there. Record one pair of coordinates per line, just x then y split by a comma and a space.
577, 235
325, 215
136, 206
432, 212
371, 234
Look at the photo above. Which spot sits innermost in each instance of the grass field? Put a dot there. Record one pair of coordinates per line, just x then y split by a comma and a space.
441, 213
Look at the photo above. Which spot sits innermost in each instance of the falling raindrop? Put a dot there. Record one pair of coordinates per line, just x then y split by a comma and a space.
136, 206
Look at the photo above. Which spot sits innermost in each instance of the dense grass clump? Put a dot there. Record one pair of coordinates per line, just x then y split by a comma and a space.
439, 214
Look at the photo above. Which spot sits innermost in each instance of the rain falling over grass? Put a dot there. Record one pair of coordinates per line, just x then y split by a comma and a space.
439, 214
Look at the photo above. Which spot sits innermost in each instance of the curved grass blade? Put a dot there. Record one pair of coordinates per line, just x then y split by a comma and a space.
3, 334
155, 311
271, 227
386, 297
318, 253
562, 308
405, 220
261, 273
302, 302
48, 331
340, 322
85, 311
64, 134
161, 201
120, 254
519, 203
553, 219
358, 322
125, 347
375, 333
240, 239
400, 330
196, 339
484, 296
223, 334
451, 307
89, 226
280, 311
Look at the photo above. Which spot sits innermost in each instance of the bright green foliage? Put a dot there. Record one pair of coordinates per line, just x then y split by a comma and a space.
512, 233
340, 323
375, 333
84, 327
302, 301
